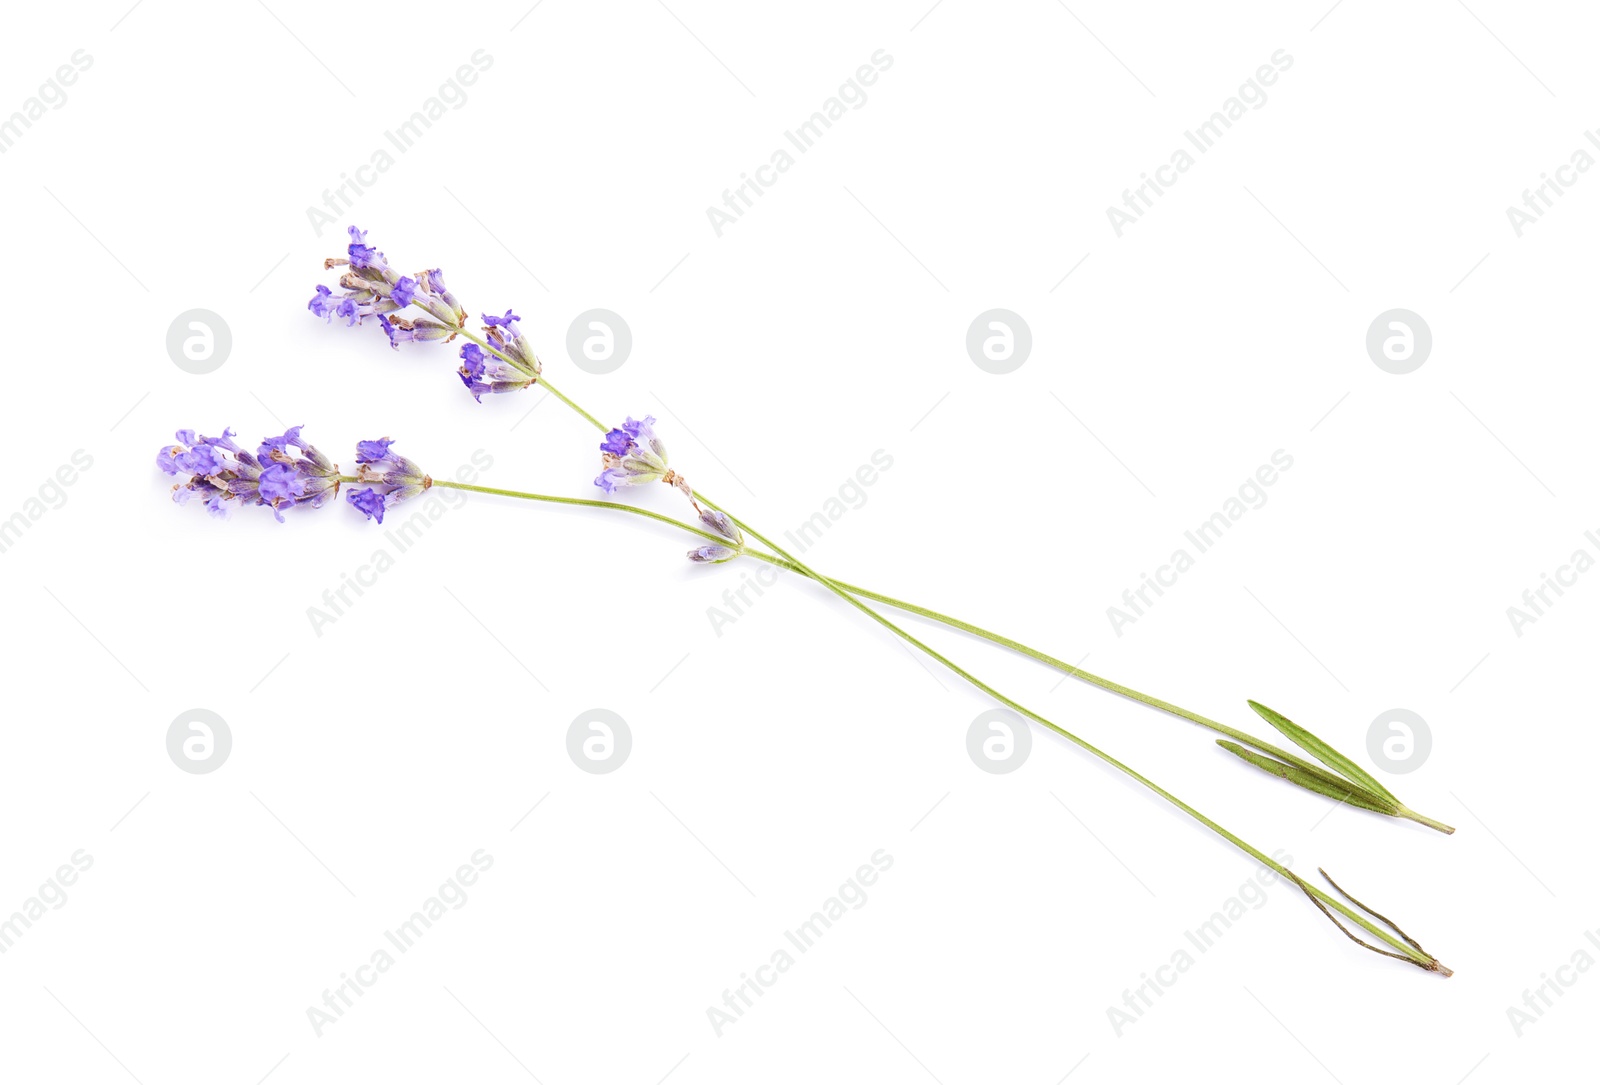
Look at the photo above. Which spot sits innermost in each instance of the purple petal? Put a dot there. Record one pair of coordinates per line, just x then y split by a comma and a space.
372, 451
369, 502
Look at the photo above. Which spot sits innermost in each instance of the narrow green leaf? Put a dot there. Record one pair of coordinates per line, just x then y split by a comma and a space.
1332, 787
1323, 752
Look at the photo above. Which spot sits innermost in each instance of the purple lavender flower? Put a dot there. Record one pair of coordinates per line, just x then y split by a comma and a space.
393, 477
432, 283
362, 255
323, 303
360, 300
633, 455
404, 291
225, 476
374, 289
711, 554
270, 445
372, 451
481, 371
288, 479
403, 330
502, 333
198, 455
370, 502
503, 363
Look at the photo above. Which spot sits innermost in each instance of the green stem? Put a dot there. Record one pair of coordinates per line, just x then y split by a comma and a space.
593, 421
584, 501
932, 615
1410, 953
1414, 955
1094, 680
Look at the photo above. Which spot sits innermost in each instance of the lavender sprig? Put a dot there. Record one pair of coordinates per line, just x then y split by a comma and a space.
633, 461
393, 478
284, 472
500, 361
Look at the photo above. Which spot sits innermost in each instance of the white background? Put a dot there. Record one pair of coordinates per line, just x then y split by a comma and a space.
772, 760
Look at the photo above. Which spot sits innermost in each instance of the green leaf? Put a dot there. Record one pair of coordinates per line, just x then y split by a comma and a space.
1325, 753
1332, 787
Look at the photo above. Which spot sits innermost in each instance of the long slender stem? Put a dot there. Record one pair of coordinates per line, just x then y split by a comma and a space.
934, 615
1093, 679
978, 683
1416, 956
553, 390
584, 501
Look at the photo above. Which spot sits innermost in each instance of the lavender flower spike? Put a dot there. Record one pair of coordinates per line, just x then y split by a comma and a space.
394, 478
633, 455
482, 371
226, 476
500, 361
502, 332
373, 289
432, 283
304, 477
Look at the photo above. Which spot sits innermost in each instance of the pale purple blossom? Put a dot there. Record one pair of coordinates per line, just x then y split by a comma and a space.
711, 554
392, 478
224, 476
502, 362
633, 455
